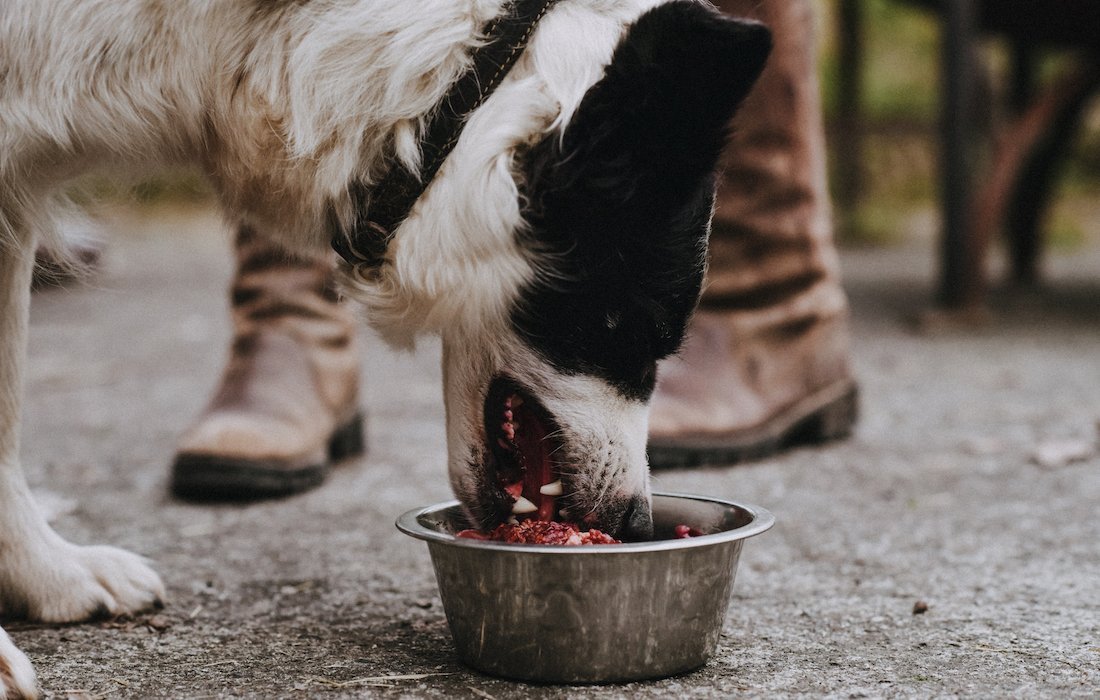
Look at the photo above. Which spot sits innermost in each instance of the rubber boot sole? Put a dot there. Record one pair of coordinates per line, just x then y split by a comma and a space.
826, 415
201, 477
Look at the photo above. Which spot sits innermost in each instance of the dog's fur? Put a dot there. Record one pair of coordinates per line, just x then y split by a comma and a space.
560, 247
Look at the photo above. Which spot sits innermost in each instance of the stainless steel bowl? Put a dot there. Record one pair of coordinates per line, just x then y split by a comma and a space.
594, 613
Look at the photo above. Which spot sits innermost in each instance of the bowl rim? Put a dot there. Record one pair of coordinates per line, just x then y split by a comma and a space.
762, 520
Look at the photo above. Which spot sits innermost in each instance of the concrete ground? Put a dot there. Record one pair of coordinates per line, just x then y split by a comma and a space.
971, 486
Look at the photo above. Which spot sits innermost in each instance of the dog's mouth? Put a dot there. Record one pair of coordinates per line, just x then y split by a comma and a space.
522, 442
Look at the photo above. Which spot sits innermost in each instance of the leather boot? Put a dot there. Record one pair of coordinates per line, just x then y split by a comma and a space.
765, 362
287, 406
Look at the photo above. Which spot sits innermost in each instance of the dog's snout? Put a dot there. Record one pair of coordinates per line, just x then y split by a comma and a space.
637, 523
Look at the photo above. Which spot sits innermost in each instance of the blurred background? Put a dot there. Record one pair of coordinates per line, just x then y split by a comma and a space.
888, 192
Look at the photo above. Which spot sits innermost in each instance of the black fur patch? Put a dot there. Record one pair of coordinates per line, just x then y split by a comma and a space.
619, 209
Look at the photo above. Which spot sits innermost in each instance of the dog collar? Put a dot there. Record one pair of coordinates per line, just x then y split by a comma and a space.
393, 197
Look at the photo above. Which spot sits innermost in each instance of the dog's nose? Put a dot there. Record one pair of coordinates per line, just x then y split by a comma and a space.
637, 522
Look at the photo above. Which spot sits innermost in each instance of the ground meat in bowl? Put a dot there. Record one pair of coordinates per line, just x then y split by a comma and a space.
540, 532
533, 531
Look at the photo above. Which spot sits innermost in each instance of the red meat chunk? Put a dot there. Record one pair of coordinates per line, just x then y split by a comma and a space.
541, 532
549, 532
683, 532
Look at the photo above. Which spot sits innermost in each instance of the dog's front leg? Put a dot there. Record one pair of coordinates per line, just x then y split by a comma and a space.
16, 675
42, 576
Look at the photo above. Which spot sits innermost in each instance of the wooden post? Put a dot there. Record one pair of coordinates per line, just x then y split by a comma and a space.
848, 134
956, 286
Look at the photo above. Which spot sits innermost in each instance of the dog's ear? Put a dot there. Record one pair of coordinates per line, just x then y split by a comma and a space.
676, 80
658, 118
621, 203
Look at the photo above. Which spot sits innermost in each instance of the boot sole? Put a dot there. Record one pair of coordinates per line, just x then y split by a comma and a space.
826, 415
213, 478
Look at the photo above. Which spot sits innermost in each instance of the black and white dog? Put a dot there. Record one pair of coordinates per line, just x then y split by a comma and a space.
559, 251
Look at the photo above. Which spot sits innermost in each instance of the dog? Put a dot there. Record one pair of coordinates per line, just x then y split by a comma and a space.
559, 251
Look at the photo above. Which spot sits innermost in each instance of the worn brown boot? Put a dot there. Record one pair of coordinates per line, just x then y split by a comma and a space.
765, 362
287, 406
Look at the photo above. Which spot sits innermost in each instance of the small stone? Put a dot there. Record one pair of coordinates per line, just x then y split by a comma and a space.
158, 623
1054, 454
920, 607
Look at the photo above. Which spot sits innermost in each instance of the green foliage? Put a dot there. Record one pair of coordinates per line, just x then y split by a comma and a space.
181, 186
901, 60
168, 186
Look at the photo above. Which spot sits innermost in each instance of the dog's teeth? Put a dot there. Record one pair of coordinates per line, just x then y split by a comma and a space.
509, 430
552, 489
512, 520
515, 402
563, 515
508, 415
522, 506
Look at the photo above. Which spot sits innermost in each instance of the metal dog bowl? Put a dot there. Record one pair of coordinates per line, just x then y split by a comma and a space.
593, 613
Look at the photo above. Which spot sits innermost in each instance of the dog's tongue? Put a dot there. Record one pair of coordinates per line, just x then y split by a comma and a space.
530, 440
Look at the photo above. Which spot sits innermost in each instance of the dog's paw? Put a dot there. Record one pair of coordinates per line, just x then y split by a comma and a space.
45, 578
16, 675
70, 583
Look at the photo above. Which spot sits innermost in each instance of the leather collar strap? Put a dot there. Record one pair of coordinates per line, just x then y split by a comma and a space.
391, 200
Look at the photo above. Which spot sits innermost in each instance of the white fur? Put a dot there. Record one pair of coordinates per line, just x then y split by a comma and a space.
16, 673
456, 263
49, 579
284, 105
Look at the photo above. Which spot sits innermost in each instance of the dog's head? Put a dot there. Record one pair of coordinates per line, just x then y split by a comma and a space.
551, 343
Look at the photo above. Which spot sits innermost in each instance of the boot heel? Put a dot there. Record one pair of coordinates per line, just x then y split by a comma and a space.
834, 420
348, 440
